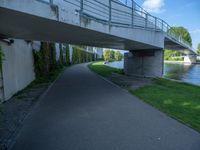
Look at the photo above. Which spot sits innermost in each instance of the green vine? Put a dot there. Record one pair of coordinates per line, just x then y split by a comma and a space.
45, 59
81, 56
2, 56
67, 55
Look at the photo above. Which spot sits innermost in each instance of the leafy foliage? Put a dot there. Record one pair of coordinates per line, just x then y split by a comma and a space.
173, 55
110, 55
106, 55
45, 59
198, 49
183, 32
67, 55
81, 56
1, 58
118, 56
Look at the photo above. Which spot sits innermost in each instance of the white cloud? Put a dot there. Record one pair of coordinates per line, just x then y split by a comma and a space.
155, 6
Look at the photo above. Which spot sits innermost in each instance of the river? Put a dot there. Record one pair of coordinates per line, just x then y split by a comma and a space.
177, 71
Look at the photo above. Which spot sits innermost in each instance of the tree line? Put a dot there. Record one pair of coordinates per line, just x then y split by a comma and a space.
111, 55
184, 33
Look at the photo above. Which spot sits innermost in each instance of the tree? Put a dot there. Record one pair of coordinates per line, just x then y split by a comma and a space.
118, 56
198, 49
183, 32
106, 55
112, 55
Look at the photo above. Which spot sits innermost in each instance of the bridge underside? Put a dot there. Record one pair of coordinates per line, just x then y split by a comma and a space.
20, 25
143, 60
172, 45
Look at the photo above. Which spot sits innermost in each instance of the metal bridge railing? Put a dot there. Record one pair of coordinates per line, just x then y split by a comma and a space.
125, 13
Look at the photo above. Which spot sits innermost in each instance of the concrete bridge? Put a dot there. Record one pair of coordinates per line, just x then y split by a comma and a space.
100, 23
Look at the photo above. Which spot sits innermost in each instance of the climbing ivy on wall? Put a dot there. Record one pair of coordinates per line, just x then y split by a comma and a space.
1, 58
67, 55
45, 59
52, 57
81, 56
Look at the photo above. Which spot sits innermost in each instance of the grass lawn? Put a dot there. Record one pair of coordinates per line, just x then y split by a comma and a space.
178, 100
103, 70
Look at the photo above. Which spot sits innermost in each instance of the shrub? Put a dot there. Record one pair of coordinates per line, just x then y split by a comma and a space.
45, 59
118, 56
106, 55
81, 56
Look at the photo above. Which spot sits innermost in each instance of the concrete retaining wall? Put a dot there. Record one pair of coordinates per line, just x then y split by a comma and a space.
18, 67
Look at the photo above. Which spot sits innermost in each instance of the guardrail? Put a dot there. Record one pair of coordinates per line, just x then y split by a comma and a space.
125, 13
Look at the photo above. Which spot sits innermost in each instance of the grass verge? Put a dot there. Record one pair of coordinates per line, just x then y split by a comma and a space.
104, 70
179, 100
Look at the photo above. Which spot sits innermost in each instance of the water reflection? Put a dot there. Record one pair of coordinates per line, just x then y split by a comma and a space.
183, 72
177, 71
117, 64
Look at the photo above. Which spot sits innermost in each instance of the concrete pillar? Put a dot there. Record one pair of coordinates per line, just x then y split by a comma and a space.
190, 59
144, 63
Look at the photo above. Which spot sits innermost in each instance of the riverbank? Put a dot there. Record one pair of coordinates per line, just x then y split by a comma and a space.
179, 100
181, 62
178, 62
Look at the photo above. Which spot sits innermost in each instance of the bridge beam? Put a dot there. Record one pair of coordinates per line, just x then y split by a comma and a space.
144, 63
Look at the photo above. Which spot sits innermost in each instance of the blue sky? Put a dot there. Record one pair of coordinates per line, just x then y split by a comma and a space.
177, 13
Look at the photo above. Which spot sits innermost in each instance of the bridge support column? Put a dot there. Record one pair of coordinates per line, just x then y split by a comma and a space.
144, 63
190, 59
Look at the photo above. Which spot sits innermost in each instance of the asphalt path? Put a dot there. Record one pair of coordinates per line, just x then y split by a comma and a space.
82, 111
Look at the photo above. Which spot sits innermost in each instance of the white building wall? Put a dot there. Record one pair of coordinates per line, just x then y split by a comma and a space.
18, 67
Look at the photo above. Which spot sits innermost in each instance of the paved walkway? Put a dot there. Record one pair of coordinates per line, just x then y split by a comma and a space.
81, 111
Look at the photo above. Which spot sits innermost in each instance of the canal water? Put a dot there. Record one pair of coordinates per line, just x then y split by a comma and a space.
177, 71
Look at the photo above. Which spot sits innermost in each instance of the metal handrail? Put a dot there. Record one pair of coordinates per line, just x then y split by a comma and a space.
132, 16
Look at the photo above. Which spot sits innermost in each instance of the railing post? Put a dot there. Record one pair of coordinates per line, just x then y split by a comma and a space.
51, 2
132, 20
81, 6
146, 20
110, 12
155, 23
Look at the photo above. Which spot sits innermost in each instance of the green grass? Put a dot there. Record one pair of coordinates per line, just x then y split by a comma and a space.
178, 100
104, 70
